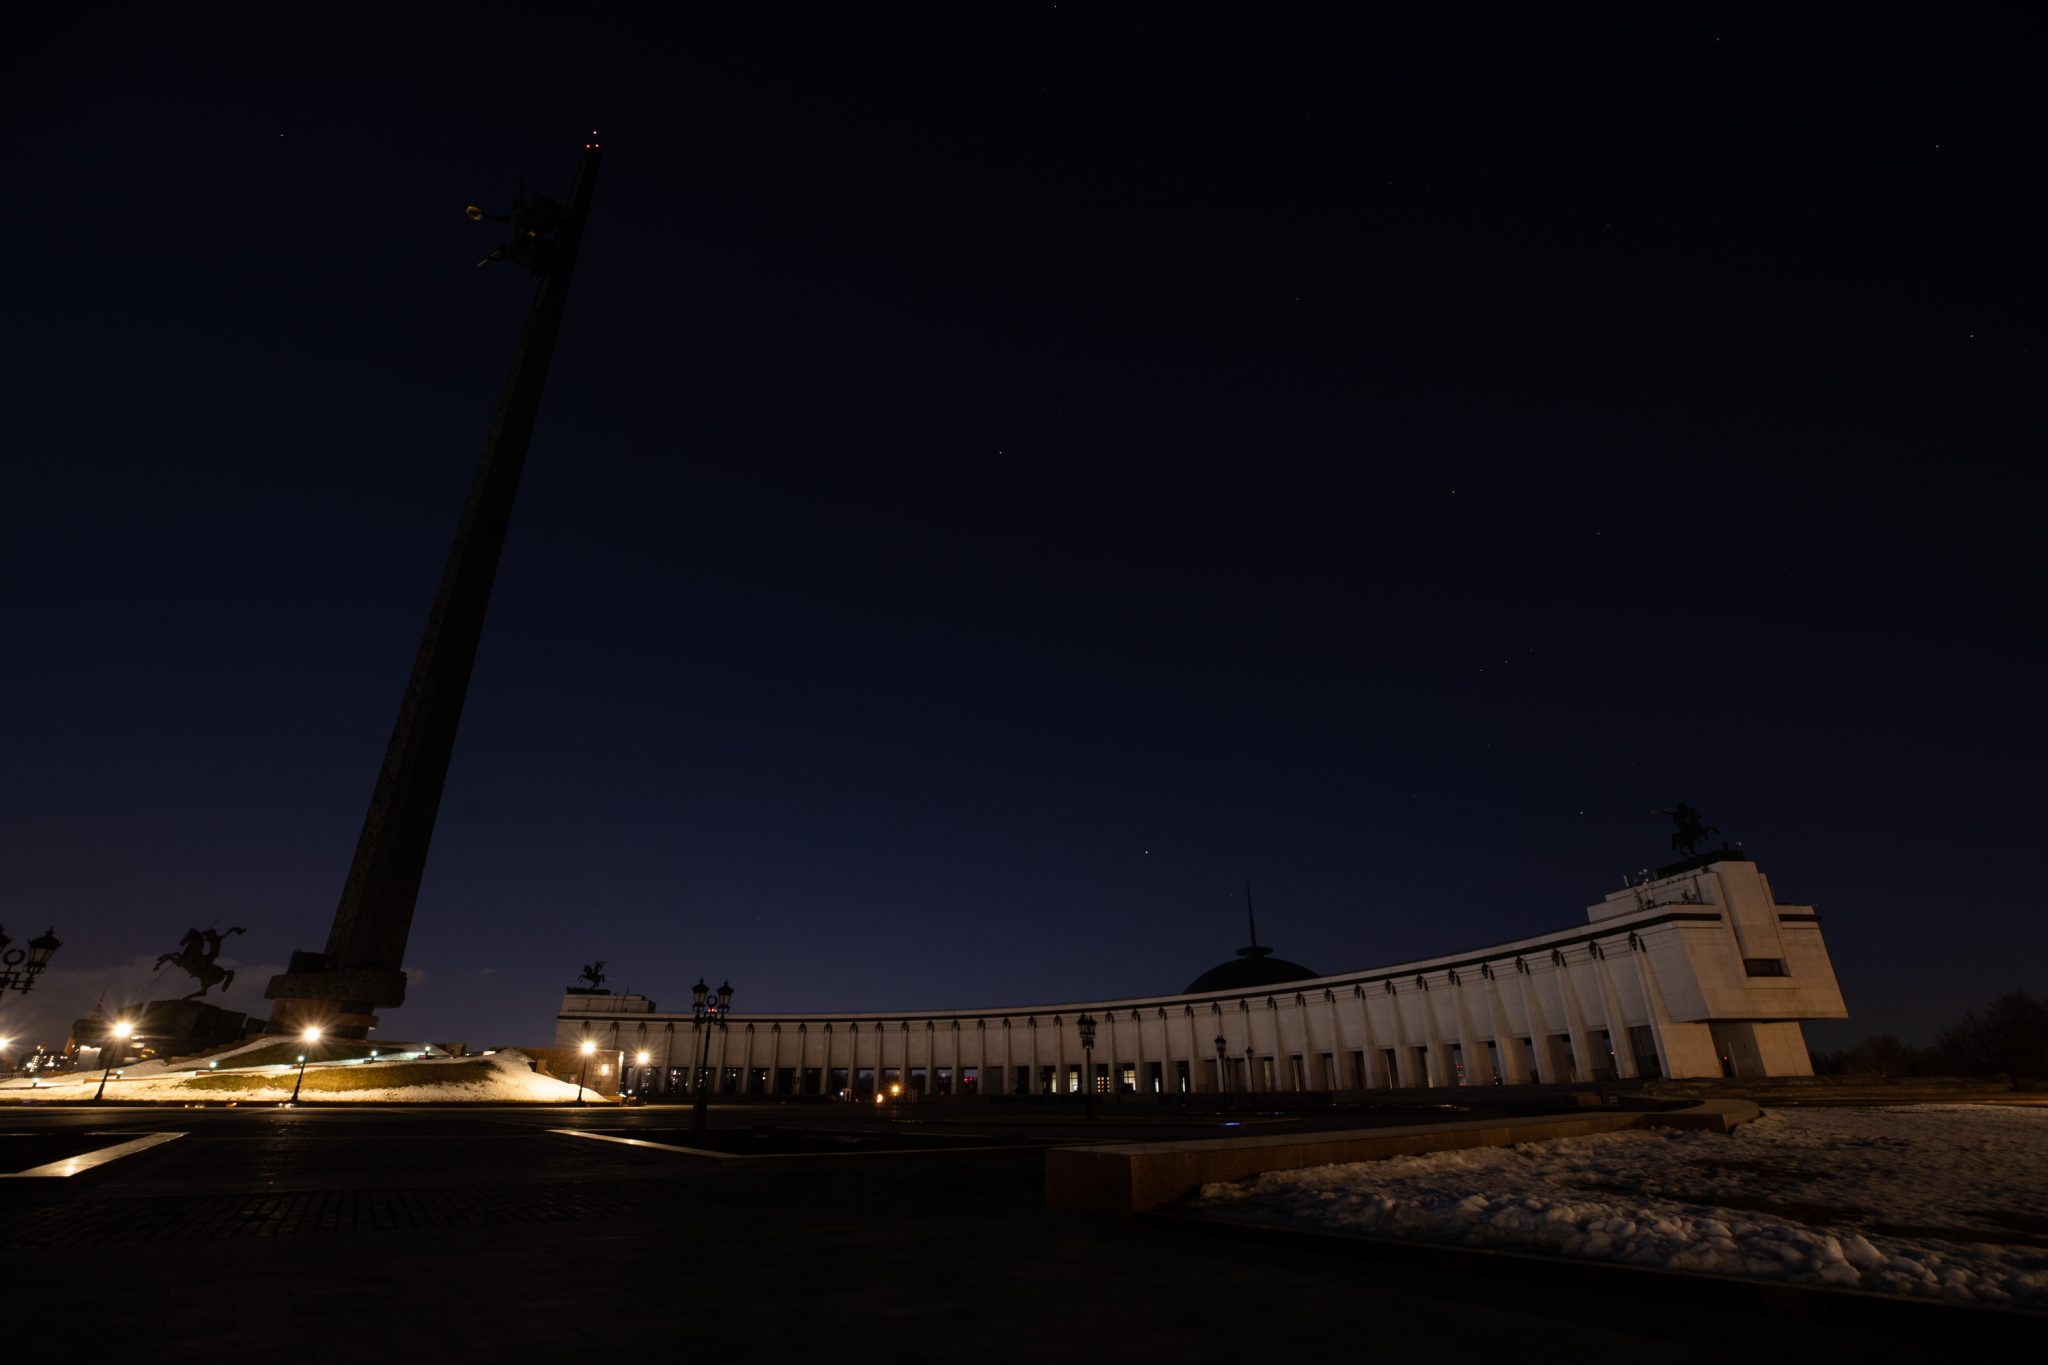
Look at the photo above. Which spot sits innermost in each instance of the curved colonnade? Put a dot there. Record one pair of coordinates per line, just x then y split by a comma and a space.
1697, 972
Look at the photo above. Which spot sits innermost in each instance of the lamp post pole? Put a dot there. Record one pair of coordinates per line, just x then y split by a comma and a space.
121, 1031
583, 1070
1251, 1083
1222, 1066
707, 1012
1086, 1023
312, 1036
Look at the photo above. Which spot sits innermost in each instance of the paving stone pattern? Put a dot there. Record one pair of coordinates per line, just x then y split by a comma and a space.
314, 1238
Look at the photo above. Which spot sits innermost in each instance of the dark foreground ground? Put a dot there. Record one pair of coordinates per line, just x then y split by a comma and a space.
386, 1234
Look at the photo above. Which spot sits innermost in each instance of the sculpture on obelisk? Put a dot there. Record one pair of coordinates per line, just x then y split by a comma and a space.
362, 968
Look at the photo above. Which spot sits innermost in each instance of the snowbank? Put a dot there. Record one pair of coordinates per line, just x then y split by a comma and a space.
499, 1078
154, 1067
1943, 1200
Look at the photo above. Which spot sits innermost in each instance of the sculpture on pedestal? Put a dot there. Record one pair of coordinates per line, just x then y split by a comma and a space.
195, 957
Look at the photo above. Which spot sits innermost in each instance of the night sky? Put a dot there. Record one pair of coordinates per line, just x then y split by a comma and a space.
1013, 475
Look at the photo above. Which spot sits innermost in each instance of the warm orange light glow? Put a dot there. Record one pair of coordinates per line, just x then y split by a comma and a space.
313, 1035
643, 1059
588, 1047
123, 1029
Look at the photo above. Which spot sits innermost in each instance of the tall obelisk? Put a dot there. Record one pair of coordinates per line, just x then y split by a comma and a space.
363, 967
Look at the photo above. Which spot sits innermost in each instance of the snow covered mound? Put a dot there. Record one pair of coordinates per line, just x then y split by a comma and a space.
225, 1058
497, 1078
1942, 1200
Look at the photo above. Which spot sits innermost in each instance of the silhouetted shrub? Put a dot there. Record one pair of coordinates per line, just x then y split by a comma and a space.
2011, 1035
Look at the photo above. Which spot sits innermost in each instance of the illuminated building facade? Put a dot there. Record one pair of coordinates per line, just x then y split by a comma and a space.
1697, 972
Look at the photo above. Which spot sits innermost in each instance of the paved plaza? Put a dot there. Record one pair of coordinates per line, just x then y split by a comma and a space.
389, 1234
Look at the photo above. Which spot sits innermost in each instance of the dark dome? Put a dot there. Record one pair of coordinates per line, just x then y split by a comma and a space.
1253, 966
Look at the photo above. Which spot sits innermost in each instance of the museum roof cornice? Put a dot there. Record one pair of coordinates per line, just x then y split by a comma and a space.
1617, 929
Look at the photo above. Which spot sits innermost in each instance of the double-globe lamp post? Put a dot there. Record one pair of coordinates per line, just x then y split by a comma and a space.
121, 1030
708, 1012
19, 967
1086, 1023
309, 1037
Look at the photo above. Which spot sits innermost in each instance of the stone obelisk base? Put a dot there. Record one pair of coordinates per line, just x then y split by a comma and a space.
340, 1002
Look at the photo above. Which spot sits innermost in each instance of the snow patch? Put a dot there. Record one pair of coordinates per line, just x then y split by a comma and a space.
1949, 1201
498, 1078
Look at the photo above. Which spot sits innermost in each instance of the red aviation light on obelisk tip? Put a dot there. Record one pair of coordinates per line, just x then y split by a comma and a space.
593, 144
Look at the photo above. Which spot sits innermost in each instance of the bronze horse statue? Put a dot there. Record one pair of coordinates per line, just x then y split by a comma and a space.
195, 955
1690, 829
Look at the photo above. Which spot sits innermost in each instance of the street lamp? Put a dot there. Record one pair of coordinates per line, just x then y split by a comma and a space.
1222, 1065
311, 1036
588, 1047
640, 1079
121, 1030
707, 1012
1251, 1083
19, 967
1086, 1023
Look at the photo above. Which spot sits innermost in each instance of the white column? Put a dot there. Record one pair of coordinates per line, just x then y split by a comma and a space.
1313, 1076
1404, 1068
1283, 1071
1247, 1047
1478, 1066
1437, 1063
1512, 1069
1229, 1050
1109, 1017
1368, 1040
1574, 1015
1653, 1002
1539, 1026
1610, 1006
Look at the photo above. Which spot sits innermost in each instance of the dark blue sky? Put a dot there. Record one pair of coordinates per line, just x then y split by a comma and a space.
1008, 480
